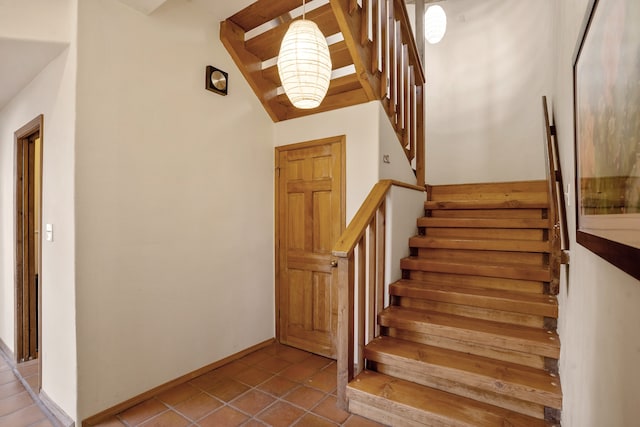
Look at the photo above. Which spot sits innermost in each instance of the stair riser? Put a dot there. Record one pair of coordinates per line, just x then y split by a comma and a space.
481, 256
380, 410
476, 337
496, 283
533, 308
427, 374
523, 273
502, 401
485, 213
480, 245
471, 311
491, 223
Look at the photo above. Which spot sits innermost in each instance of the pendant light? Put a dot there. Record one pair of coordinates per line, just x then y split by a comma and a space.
304, 63
435, 23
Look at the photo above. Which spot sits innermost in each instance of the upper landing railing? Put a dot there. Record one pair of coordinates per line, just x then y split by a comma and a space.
379, 37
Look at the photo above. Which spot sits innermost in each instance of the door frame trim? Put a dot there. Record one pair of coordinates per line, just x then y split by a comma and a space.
36, 125
340, 139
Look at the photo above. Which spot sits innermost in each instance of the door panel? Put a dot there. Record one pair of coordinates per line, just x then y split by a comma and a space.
310, 203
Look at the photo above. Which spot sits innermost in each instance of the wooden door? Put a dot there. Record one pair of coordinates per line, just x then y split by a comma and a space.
28, 242
309, 219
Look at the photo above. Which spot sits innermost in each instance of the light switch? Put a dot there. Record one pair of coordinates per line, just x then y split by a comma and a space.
48, 229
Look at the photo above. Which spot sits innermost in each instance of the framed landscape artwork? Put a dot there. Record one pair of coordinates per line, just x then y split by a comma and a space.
607, 133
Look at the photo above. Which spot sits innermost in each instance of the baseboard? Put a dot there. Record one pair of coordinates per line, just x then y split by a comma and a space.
7, 352
61, 416
114, 410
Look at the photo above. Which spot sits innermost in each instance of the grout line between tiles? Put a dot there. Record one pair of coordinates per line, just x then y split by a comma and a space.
36, 399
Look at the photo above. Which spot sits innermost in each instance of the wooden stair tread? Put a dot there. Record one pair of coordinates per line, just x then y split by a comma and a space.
427, 406
492, 191
537, 304
469, 281
485, 204
506, 270
529, 384
483, 222
513, 245
513, 337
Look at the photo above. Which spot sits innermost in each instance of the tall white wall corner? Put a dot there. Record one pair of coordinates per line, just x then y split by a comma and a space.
145, 6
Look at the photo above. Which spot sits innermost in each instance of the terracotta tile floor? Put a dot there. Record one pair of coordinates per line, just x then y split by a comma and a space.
275, 386
18, 408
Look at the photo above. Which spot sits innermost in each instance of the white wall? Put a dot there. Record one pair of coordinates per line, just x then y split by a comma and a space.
174, 202
32, 33
398, 167
51, 93
484, 84
405, 207
599, 314
46, 20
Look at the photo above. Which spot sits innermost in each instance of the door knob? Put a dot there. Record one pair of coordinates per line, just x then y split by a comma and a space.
334, 263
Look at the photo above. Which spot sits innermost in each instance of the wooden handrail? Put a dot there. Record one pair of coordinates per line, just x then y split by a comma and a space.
388, 67
351, 236
557, 212
361, 248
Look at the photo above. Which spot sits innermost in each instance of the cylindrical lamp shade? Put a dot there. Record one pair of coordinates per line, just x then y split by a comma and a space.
304, 64
435, 24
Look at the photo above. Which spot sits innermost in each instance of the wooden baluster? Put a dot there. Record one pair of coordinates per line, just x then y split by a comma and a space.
381, 220
420, 134
384, 27
412, 112
405, 100
372, 280
344, 345
362, 307
364, 23
391, 28
398, 52
375, 35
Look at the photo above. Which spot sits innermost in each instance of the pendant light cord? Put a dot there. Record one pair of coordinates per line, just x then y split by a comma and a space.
303, 9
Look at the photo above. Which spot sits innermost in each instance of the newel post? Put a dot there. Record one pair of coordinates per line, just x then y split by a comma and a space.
345, 279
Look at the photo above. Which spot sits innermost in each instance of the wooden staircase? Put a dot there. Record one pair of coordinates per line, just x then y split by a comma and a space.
469, 337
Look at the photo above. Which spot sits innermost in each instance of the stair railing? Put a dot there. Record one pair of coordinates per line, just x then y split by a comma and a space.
360, 255
557, 208
379, 38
